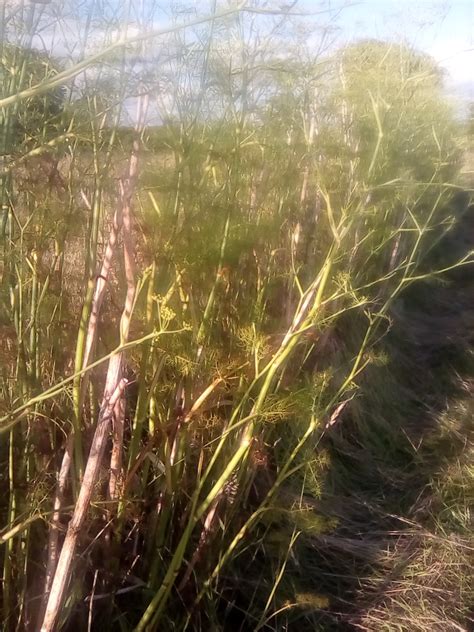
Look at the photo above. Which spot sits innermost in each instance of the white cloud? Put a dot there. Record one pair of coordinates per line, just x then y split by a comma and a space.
457, 60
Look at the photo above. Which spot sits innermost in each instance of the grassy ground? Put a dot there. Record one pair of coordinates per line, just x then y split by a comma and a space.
398, 491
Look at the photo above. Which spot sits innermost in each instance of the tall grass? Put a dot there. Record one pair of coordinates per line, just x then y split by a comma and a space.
198, 329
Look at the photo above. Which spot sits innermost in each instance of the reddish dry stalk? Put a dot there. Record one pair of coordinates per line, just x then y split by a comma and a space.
129, 264
114, 388
209, 527
99, 293
100, 287
54, 528
116, 456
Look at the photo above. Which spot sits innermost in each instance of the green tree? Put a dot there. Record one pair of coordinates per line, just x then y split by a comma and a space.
36, 118
397, 117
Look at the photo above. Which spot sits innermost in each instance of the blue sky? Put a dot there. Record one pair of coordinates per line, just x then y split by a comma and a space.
442, 28
445, 29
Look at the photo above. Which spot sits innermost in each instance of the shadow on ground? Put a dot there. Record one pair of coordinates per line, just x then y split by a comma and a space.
398, 482
399, 479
